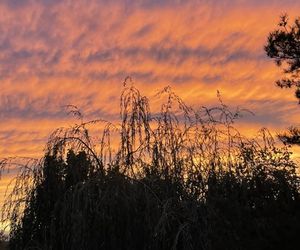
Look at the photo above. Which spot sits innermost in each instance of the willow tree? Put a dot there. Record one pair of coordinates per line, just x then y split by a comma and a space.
179, 178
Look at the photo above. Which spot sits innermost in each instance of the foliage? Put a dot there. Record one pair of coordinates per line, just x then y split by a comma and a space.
284, 46
181, 178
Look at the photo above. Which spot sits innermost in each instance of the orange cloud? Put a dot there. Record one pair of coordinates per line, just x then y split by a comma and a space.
54, 53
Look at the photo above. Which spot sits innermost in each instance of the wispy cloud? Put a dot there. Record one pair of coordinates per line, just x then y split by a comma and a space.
54, 53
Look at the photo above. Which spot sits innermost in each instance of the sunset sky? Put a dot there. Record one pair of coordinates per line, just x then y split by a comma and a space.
54, 53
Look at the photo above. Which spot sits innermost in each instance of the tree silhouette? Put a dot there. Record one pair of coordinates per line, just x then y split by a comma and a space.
180, 178
284, 46
55, 179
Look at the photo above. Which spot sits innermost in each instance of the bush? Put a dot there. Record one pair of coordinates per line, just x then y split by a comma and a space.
178, 179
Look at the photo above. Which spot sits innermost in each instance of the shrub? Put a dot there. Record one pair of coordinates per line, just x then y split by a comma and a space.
178, 179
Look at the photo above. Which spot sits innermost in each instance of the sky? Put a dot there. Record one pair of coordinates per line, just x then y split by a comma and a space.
59, 52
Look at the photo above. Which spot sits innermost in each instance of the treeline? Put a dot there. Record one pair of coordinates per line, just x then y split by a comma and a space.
180, 178
177, 179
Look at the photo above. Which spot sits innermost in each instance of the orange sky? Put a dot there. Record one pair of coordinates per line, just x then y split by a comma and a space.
54, 53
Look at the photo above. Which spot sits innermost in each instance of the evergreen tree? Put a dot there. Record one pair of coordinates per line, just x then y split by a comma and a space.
283, 46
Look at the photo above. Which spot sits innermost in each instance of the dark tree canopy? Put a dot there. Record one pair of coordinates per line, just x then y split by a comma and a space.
283, 46
180, 179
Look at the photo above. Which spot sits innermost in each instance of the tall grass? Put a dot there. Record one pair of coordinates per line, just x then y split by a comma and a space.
180, 178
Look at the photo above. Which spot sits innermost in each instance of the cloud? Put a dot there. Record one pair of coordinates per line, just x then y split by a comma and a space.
59, 52
54, 53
